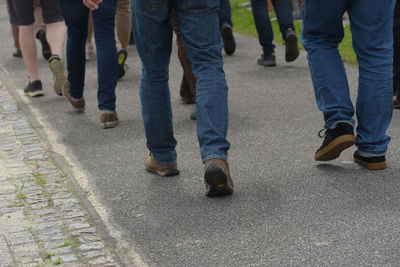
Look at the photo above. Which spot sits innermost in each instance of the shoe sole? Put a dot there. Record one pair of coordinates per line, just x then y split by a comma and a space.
35, 94
59, 76
166, 173
228, 40
110, 124
371, 166
217, 181
292, 50
266, 63
333, 150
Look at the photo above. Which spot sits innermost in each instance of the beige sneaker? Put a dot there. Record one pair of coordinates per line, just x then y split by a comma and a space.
218, 178
77, 104
59, 75
109, 119
162, 170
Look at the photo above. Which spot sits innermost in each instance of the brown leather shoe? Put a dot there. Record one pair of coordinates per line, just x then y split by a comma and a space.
162, 170
109, 119
396, 103
218, 178
77, 104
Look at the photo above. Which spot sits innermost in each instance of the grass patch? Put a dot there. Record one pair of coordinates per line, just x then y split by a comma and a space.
66, 244
63, 175
21, 196
57, 261
39, 179
49, 255
242, 18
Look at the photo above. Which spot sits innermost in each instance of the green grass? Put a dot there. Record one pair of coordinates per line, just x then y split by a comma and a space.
243, 21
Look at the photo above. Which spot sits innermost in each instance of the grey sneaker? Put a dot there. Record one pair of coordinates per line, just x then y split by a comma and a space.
267, 60
163, 170
59, 75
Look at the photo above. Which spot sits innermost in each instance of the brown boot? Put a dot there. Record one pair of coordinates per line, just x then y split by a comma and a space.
163, 170
218, 178
77, 104
109, 119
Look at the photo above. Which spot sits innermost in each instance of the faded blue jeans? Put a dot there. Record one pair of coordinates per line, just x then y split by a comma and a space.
199, 26
284, 15
371, 23
76, 18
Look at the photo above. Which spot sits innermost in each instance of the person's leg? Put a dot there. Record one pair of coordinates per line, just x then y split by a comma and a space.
263, 25
15, 32
396, 55
188, 85
107, 62
200, 34
284, 15
283, 11
89, 44
198, 22
371, 24
321, 35
39, 29
123, 23
76, 18
225, 13
153, 37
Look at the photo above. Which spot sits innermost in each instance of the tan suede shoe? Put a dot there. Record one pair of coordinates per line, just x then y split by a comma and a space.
162, 170
77, 104
109, 119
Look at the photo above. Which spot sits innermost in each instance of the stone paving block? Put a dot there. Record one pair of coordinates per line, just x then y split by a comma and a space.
94, 253
90, 230
5, 256
101, 260
65, 258
92, 246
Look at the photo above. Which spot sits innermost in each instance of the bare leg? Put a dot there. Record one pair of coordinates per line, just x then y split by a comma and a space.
28, 48
56, 34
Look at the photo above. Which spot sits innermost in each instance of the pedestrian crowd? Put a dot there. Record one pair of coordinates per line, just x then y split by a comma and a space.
203, 28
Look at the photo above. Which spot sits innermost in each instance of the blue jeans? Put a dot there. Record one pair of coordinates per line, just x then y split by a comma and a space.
198, 23
225, 12
263, 24
371, 25
76, 18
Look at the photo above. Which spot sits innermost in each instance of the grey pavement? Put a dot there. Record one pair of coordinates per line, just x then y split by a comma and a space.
287, 209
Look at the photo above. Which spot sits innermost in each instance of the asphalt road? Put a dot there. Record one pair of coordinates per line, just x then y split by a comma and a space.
287, 209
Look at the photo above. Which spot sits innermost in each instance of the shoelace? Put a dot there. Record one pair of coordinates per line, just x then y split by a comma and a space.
325, 133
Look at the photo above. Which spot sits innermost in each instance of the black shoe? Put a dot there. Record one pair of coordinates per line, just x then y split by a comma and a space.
46, 51
34, 89
291, 48
267, 60
17, 53
371, 163
122, 56
336, 140
228, 39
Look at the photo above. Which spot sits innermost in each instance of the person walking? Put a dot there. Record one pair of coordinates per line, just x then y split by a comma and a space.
371, 24
225, 25
22, 14
76, 16
266, 35
199, 25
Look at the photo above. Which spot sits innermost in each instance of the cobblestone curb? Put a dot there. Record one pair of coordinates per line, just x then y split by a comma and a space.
42, 222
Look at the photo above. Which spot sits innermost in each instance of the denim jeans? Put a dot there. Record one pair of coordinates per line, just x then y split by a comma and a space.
371, 25
198, 23
263, 24
76, 19
225, 12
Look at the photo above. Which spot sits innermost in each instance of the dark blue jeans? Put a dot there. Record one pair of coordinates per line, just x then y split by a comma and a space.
225, 12
263, 24
371, 25
198, 24
76, 19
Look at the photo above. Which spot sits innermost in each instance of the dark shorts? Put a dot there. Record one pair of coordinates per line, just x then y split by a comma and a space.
21, 11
